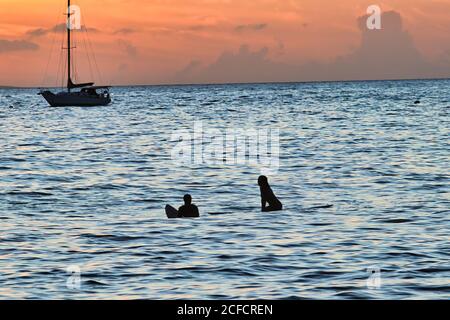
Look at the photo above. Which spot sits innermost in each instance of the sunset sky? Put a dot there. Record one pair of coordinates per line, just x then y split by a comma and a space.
202, 41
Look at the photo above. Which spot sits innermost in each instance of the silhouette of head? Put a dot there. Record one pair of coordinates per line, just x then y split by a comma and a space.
262, 181
187, 199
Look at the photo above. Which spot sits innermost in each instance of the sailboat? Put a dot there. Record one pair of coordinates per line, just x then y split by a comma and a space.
87, 96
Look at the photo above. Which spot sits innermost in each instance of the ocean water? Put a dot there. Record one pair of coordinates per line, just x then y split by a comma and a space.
363, 175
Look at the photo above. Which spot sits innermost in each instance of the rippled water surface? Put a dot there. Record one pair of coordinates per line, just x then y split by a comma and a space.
364, 178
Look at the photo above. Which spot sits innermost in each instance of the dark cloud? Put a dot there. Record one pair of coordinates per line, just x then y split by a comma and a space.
17, 45
388, 53
251, 27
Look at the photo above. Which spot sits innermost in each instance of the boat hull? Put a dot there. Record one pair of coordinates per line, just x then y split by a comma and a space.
74, 99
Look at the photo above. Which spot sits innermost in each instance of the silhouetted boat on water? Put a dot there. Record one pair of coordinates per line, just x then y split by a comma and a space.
87, 96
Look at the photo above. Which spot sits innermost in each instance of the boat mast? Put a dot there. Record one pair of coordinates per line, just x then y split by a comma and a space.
68, 46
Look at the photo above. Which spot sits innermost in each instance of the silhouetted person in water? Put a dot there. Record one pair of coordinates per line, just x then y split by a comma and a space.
189, 210
268, 197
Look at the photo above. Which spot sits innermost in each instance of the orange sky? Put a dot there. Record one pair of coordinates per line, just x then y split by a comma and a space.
151, 41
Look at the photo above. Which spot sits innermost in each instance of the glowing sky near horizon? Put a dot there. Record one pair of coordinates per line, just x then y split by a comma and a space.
151, 42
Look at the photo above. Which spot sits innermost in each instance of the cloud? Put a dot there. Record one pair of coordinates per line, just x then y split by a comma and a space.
280, 47
128, 48
242, 66
17, 45
251, 27
59, 28
198, 27
122, 68
187, 72
37, 32
388, 53
125, 31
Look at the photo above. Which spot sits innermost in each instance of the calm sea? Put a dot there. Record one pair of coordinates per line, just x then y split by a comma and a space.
363, 175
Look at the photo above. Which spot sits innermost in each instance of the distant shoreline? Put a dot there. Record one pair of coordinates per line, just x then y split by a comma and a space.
7, 87
239, 83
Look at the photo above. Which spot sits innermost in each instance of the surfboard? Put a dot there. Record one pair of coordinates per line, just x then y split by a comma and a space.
171, 212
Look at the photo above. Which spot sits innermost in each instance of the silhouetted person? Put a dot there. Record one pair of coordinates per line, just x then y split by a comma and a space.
189, 210
268, 197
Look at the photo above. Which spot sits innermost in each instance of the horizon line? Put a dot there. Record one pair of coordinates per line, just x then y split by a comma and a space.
234, 83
